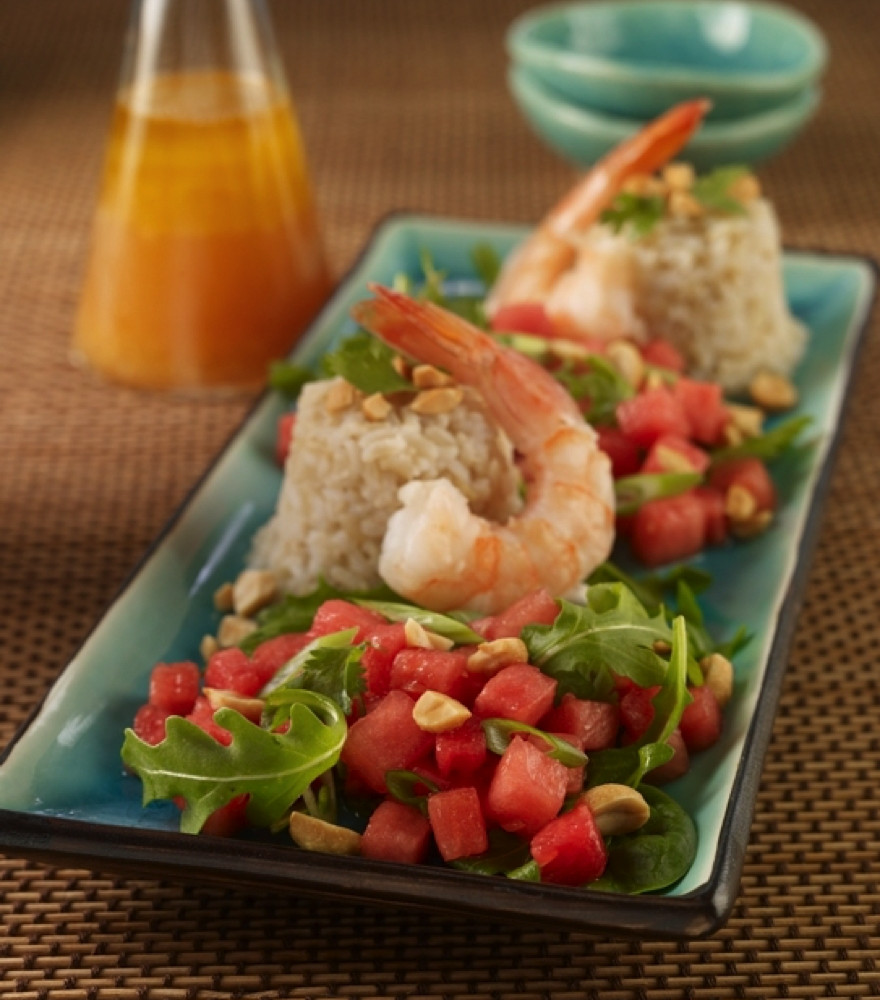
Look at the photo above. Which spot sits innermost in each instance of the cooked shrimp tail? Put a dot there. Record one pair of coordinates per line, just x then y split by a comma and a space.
436, 551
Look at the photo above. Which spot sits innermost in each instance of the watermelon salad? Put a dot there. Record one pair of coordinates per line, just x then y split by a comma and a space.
531, 743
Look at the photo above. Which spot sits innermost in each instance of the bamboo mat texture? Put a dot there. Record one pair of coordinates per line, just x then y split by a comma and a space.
403, 105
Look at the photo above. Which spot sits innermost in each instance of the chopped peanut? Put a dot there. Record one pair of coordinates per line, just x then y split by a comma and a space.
718, 677
340, 395
208, 647
739, 503
628, 361
317, 835
679, 176
490, 657
376, 407
661, 647
429, 377
233, 629
751, 527
748, 419
617, 809
731, 435
645, 186
745, 188
685, 204
438, 713
253, 590
434, 401
250, 708
772, 391
418, 637
672, 460
223, 597
401, 366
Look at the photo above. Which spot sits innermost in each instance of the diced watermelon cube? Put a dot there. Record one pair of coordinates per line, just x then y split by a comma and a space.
149, 723
457, 823
713, 513
520, 692
385, 739
662, 354
536, 608
700, 722
284, 437
678, 766
228, 820
461, 750
650, 415
232, 670
625, 454
416, 670
636, 711
703, 403
174, 687
383, 643
396, 832
337, 616
569, 850
527, 789
669, 529
524, 317
594, 723
751, 474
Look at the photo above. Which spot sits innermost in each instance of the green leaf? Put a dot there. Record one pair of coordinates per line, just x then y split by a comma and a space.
449, 628
612, 632
767, 446
655, 856
274, 769
288, 378
626, 765
639, 213
712, 190
673, 696
500, 731
486, 263
331, 667
366, 362
403, 786
651, 589
633, 491
597, 383
507, 853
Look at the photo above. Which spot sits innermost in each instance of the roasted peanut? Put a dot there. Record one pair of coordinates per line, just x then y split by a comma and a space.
490, 657
417, 636
253, 590
739, 503
208, 647
223, 597
718, 677
250, 708
340, 395
617, 809
772, 391
376, 408
748, 419
437, 713
317, 835
430, 402
233, 629
628, 361
429, 377
679, 176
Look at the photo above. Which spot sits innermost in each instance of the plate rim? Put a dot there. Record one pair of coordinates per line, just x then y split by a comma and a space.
697, 913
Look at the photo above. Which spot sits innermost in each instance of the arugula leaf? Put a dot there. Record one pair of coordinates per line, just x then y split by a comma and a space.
274, 769
288, 378
673, 696
767, 446
499, 732
332, 669
626, 765
507, 853
597, 382
443, 625
641, 213
612, 632
651, 589
656, 855
633, 491
712, 190
366, 362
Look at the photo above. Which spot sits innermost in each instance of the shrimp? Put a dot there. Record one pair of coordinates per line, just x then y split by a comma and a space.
436, 551
586, 287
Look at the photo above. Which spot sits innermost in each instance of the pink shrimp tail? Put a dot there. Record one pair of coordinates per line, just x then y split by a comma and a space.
523, 398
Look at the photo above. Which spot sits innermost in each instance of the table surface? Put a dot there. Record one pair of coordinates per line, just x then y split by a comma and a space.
404, 106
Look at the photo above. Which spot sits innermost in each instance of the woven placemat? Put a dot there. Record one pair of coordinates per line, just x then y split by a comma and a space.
404, 106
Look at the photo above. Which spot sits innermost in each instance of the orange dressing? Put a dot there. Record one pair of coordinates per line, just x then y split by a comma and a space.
206, 260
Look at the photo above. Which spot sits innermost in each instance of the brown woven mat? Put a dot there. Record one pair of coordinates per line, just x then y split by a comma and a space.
403, 104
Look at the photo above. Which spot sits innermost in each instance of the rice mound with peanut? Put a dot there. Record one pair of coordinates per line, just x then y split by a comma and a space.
346, 465
712, 284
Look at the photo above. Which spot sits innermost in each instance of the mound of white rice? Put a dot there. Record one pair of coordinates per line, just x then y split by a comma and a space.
342, 478
712, 285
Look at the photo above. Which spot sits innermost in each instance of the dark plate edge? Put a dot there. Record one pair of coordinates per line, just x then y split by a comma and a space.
51, 840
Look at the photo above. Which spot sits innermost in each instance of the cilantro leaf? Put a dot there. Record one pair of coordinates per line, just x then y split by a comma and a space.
288, 378
596, 382
640, 213
329, 666
366, 362
272, 768
712, 190
587, 645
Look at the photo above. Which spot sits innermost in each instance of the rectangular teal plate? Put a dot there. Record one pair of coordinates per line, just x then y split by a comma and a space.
64, 797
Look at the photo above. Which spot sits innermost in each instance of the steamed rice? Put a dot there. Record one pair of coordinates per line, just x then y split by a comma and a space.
342, 480
712, 286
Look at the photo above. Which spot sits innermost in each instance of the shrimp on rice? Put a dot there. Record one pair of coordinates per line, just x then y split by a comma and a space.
436, 551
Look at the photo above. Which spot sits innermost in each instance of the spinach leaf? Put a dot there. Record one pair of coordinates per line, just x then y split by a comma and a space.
507, 853
626, 765
273, 768
587, 645
655, 856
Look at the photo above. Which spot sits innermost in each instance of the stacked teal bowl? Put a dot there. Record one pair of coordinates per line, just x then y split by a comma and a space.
588, 74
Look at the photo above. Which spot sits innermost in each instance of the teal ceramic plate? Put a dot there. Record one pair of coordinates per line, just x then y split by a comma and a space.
64, 797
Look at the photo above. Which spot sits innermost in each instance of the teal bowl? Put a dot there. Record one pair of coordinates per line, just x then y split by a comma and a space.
635, 58
582, 136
